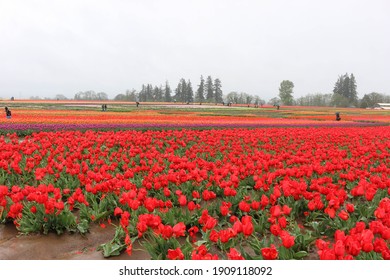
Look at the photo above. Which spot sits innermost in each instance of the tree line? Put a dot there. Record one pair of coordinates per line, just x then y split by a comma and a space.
344, 95
210, 90
90, 95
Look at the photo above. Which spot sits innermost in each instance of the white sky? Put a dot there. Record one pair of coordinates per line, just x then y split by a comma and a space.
62, 47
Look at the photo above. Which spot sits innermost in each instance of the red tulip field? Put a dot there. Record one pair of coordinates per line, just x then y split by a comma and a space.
228, 193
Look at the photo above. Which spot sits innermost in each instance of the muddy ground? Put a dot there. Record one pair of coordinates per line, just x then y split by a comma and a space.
14, 246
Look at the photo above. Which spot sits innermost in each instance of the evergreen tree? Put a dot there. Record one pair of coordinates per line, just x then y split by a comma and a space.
352, 88
344, 91
189, 92
209, 89
338, 87
142, 94
346, 88
285, 92
199, 96
167, 93
178, 93
157, 94
181, 91
161, 94
149, 93
218, 91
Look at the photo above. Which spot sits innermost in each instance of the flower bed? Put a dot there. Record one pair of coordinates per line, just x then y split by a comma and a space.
275, 193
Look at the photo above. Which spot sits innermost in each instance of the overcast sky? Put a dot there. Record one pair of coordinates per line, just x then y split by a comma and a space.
63, 47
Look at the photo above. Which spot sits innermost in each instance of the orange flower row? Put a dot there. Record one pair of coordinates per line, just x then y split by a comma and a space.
24, 116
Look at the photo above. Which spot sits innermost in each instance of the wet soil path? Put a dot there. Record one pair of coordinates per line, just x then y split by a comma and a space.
14, 246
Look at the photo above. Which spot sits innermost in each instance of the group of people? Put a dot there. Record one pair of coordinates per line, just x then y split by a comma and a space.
8, 113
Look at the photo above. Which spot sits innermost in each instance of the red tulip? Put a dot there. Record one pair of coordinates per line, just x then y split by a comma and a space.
234, 255
175, 254
269, 253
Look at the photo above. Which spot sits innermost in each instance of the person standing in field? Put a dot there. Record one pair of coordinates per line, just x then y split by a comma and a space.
7, 113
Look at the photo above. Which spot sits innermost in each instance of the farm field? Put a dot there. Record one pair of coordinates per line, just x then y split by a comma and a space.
60, 115
194, 182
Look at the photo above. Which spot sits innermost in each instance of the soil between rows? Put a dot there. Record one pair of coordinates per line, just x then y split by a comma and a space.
67, 246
